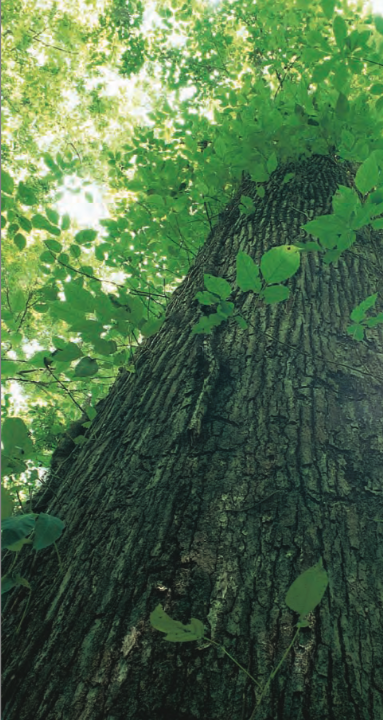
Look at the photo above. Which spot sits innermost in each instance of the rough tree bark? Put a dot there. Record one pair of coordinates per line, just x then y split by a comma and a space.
210, 480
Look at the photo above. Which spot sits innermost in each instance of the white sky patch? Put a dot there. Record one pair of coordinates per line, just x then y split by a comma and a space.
84, 212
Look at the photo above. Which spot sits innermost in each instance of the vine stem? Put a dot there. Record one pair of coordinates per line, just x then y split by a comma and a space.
273, 674
234, 660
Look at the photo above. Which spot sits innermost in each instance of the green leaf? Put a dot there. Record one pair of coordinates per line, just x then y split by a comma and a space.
342, 107
19, 241
272, 163
206, 324
75, 251
105, 347
52, 216
357, 331
217, 285
152, 326
247, 277
53, 245
174, 629
79, 298
225, 308
87, 367
15, 528
25, 224
378, 19
241, 322
42, 223
26, 194
275, 294
368, 175
68, 353
321, 71
206, 298
340, 31
326, 228
65, 222
48, 529
280, 263
7, 184
377, 89
9, 581
47, 257
328, 7
359, 312
85, 236
6, 503
15, 437
307, 590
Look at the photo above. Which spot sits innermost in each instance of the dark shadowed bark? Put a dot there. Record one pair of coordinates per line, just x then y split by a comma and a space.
211, 479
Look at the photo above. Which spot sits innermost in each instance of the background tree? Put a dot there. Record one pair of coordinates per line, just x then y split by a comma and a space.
223, 453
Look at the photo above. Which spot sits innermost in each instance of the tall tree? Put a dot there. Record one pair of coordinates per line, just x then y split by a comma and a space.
245, 449
222, 469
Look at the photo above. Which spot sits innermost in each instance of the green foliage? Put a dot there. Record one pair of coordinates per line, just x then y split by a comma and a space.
255, 103
303, 596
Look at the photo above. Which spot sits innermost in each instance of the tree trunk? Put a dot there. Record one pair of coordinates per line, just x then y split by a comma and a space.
212, 478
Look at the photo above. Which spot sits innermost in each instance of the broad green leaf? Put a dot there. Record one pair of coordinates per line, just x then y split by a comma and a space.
241, 322
75, 251
340, 31
359, 312
272, 163
247, 277
65, 222
48, 529
15, 436
19, 241
15, 528
10, 581
87, 367
85, 236
47, 257
321, 71
53, 245
328, 7
70, 352
25, 224
378, 19
206, 298
26, 194
79, 298
280, 263
52, 216
368, 175
307, 590
152, 326
225, 308
206, 324
6, 503
342, 107
7, 184
326, 228
105, 347
217, 285
42, 223
174, 629
17, 546
357, 331
275, 294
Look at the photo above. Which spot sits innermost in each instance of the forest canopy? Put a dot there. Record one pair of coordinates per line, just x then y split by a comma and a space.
127, 129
